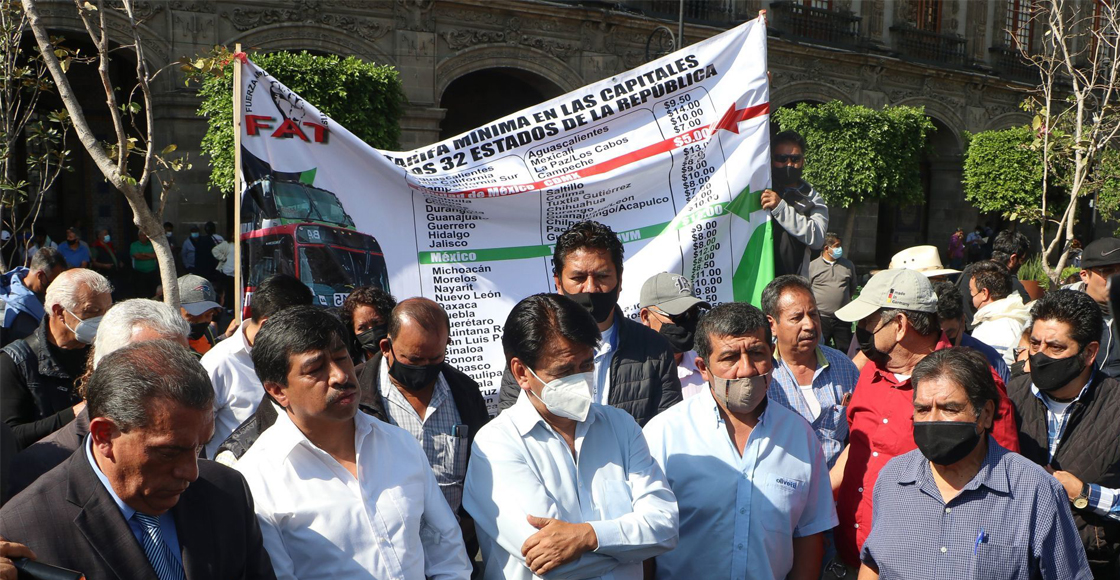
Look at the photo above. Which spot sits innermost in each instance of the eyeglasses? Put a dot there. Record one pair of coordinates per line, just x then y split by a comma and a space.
1017, 351
788, 158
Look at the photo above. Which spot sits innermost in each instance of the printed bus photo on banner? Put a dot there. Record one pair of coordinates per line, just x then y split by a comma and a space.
673, 156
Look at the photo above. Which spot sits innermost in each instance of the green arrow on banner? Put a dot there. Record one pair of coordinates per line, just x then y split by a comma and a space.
748, 279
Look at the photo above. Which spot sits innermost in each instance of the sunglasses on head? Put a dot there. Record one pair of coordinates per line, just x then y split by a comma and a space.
788, 158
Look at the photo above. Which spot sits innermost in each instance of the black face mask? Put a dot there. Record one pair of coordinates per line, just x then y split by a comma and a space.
788, 175
370, 339
679, 337
1017, 369
945, 442
1050, 374
866, 340
599, 304
198, 330
413, 377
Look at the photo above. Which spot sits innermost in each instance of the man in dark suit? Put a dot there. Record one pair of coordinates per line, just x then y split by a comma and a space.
134, 501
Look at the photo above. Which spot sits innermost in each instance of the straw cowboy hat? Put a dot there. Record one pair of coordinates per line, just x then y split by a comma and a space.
924, 259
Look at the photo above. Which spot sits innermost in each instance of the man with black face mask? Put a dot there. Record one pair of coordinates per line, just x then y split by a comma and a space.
634, 366
795, 206
669, 307
961, 505
898, 327
198, 303
408, 383
365, 313
1066, 409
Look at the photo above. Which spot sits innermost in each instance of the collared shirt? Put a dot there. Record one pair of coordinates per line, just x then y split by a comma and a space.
835, 377
520, 466
319, 521
739, 513
603, 355
166, 520
1102, 500
237, 390
881, 424
447, 454
1010, 522
692, 383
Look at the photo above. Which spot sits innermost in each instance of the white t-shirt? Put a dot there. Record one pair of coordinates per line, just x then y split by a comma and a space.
811, 399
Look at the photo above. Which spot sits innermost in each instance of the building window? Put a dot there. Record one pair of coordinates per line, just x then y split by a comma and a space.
821, 4
1019, 24
927, 15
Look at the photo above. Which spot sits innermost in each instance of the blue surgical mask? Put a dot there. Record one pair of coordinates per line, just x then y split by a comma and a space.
194, 234
837, 252
106, 239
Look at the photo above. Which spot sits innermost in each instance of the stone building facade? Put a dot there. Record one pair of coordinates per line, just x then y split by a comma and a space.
950, 56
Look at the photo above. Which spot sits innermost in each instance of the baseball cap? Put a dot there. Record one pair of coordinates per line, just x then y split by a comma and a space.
1102, 252
671, 293
899, 288
196, 295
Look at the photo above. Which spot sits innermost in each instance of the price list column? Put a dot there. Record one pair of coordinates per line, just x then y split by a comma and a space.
697, 159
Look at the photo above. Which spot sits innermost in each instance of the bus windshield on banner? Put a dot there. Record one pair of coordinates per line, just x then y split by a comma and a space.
672, 155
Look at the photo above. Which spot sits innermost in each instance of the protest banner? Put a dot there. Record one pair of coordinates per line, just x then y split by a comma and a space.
672, 156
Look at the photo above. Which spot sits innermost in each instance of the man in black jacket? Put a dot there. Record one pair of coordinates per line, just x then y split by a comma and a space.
38, 373
1066, 409
634, 366
1099, 262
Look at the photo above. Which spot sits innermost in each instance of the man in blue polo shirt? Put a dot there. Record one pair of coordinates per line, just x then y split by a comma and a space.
961, 505
750, 478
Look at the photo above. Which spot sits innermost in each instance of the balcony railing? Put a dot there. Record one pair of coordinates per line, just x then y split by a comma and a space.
800, 22
712, 13
1011, 65
932, 47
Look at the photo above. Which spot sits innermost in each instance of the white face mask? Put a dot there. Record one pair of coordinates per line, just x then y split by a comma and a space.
568, 397
741, 395
86, 330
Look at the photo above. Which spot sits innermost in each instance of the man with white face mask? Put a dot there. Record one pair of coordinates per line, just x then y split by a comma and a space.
558, 485
37, 373
775, 500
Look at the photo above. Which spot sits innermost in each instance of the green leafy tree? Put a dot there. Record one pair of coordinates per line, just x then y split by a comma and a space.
1003, 173
856, 154
366, 98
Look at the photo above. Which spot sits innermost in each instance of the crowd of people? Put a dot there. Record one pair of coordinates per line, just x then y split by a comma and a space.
925, 423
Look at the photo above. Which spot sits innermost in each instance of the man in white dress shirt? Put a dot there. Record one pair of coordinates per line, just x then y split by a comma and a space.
338, 493
237, 390
558, 486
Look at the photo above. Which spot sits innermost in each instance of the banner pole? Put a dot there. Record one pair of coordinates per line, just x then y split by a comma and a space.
237, 106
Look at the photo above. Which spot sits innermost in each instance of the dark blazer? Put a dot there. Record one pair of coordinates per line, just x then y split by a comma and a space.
70, 520
46, 454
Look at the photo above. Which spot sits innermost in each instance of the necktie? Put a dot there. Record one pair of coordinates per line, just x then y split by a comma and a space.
158, 552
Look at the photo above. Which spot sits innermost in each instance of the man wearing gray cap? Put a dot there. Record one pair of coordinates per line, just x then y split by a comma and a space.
897, 328
669, 307
198, 302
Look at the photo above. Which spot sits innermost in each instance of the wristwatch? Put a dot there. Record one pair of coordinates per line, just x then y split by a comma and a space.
1082, 500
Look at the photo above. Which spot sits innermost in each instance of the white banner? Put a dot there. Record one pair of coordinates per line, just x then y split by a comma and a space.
672, 156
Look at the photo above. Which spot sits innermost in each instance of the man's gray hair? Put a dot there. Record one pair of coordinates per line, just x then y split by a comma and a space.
132, 377
125, 319
46, 260
64, 289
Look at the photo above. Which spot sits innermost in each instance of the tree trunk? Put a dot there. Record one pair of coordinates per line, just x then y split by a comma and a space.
849, 224
132, 189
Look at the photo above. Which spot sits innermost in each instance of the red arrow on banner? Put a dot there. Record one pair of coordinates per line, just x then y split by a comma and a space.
733, 116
